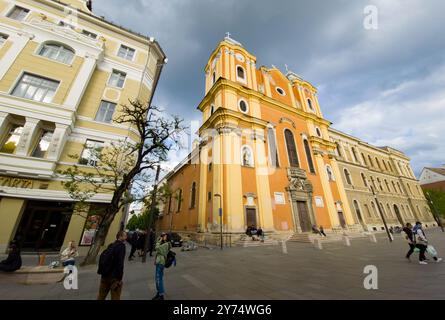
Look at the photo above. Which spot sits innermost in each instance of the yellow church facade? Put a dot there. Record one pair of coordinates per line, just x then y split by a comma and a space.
266, 157
64, 74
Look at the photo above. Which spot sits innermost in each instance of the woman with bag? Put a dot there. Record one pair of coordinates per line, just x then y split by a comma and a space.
422, 244
69, 255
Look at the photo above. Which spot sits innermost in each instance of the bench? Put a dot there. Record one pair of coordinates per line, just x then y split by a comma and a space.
35, 275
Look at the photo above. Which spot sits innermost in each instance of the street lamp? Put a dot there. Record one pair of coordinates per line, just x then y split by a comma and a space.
220, 217
381, 213
436, 216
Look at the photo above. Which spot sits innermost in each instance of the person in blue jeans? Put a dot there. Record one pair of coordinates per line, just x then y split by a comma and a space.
162, 248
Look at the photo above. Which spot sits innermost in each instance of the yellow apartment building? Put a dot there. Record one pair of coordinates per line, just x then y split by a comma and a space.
64, 73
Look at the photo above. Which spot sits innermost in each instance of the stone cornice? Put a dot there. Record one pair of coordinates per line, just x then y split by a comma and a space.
227, 84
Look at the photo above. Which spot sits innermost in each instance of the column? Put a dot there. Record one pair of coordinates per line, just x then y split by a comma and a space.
202, 198
248, 73
58, 141
292, 96
19, 42
10, 215
332, 209
341, 190
80, 84
233, 195
27, 137
267, 84
254, 82
262, 182
4, 121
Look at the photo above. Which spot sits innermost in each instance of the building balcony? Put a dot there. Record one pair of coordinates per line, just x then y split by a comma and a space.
14, 165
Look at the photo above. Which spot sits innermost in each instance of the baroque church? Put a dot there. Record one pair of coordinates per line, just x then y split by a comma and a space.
267, 157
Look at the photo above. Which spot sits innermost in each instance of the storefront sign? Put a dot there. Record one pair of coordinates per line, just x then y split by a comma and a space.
16, 183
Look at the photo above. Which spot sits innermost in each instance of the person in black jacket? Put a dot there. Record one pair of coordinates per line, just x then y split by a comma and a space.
112, 281
13, 262
134, 244
408, 229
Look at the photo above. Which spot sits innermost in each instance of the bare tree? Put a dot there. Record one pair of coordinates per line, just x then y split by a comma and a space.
124, 166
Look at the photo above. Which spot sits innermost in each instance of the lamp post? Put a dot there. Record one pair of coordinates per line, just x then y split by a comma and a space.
381, 213
436, 216
220, 217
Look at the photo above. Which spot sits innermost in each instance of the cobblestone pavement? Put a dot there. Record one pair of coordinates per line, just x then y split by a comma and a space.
336, 272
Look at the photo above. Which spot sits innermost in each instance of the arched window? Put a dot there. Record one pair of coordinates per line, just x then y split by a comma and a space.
212, 109
291, 149
384, 164
389, 166
394, 187
214, 77
382, 208
387, 185
364, 179
330, 173
378, 163
246, 156
179, 200
380, 184
307, 149
388, 208
357, 210
409, 189
354, 153
273, 152
400, 188
347, 176
374, 209
193, 196
367, 210
57, 52
364, 159
243, 106
370, 161
318, 132
309, 103
240, 74
338, 150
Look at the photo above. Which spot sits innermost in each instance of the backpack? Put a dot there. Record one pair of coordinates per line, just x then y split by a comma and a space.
106, 261
170, 259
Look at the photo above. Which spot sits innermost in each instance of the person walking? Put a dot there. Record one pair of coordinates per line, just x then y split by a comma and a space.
322, 231
421, 242
162, 248
134, 244
111, 268
408, 229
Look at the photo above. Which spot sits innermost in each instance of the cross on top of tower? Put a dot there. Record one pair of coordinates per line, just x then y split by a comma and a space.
231, 40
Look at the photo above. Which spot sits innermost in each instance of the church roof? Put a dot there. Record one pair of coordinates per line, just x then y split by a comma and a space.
232, 41
440, 171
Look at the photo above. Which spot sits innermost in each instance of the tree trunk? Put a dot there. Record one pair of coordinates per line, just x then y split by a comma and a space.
99, 240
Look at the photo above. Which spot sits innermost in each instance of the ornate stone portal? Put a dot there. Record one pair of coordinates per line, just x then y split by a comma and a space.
301, 191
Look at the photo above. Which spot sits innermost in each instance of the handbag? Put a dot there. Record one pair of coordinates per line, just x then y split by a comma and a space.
431, 251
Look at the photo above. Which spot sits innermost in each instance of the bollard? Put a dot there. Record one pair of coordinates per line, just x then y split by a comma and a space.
347, 241
372, 237
42, 258
283, 243
318, 244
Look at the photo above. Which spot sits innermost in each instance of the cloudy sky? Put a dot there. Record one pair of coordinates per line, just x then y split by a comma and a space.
386, 86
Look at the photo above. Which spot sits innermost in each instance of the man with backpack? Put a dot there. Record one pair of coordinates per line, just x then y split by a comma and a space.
162, 248
111, 268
